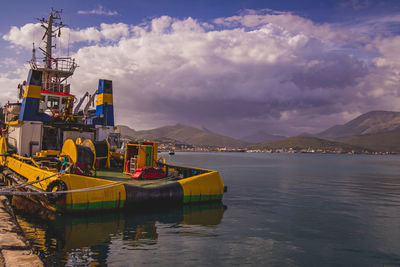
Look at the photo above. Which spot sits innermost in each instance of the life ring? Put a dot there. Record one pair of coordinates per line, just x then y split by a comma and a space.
54, 186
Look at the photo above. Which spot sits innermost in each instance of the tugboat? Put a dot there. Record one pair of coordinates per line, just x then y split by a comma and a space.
69, 159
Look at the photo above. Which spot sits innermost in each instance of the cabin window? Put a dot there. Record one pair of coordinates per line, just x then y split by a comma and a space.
53, 102
107, 89
64, 102
35, 78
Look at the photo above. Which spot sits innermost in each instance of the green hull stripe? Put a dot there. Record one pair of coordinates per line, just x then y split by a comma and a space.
200, 198
95, 205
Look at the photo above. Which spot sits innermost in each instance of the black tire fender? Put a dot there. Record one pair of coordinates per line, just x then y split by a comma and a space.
59, 185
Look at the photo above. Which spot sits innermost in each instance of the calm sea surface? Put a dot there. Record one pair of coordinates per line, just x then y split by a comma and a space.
280, 210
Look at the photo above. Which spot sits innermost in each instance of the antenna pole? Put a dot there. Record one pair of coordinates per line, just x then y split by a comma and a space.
49, 33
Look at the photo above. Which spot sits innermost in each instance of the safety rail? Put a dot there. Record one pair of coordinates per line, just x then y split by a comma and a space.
182, 171
65, 64
27, 158
38, 164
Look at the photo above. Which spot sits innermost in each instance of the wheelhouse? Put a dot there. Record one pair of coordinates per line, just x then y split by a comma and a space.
54, 101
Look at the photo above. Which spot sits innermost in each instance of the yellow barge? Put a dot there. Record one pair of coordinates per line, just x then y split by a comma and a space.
110, 188
65, 158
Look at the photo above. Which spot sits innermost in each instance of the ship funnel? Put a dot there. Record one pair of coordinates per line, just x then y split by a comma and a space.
104, 104
31, 101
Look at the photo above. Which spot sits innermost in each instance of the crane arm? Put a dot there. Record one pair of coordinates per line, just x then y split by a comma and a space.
76, 110
91, 101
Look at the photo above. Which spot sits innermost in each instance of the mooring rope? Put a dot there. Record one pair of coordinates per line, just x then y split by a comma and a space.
87, 189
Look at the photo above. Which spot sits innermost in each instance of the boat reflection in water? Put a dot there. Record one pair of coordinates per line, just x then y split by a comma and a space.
76, 239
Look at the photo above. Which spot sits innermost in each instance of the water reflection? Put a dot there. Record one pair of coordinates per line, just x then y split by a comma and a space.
87, 239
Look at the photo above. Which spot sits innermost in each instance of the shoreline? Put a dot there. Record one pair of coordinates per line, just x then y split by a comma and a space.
269, 152
15, 249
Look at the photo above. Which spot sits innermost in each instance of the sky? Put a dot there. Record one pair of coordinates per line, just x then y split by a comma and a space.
234, 67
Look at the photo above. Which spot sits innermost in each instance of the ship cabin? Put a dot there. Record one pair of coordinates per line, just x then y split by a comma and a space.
54, 101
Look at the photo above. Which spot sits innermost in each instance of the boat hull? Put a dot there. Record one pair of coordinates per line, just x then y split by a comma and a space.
205, 187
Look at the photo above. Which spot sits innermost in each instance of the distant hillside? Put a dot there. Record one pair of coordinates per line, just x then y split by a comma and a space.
383, 142
305, 142
375, 130
125, 130
369, 123
187, 134
306, 134
261, 136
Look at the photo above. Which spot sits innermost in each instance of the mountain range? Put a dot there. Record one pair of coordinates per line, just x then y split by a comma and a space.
369, 123
261, 136
184, 134
373, 131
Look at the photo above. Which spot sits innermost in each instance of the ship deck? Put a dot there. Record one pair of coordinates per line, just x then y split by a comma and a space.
116, 175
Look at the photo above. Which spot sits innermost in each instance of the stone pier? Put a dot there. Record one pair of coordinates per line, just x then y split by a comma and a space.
15, 249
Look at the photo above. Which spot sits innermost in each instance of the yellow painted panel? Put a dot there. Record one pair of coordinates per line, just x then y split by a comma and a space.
30, 172
47, 153
15, 122
69, 149
73, 182
154, 154
104, 99
99, 100
204, 184
78, 182
108, 99
3, 150
141, 161
32, 91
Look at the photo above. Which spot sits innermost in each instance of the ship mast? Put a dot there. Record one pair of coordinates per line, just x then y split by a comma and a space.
49, 33
55, 70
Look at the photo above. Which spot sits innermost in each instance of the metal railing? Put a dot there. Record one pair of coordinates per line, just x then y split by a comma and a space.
65, 64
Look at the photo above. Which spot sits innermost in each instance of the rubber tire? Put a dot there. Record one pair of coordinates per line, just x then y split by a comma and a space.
61, 186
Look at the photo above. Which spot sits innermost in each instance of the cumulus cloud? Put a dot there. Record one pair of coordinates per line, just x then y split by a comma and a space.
19, 36
10, 80
106, 32
260, 70
100, 10
285, 20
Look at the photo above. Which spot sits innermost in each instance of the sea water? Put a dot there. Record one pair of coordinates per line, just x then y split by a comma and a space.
280, 210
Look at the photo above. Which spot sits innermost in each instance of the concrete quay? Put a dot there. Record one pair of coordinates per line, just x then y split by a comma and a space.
15, 250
